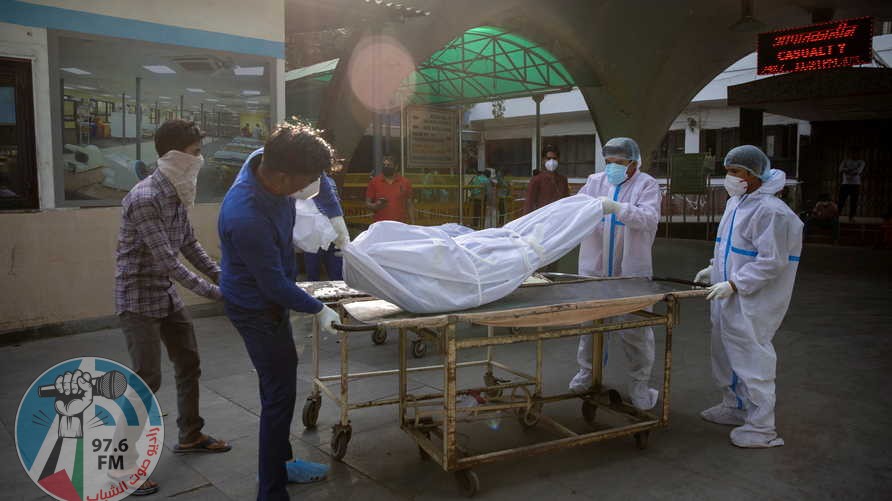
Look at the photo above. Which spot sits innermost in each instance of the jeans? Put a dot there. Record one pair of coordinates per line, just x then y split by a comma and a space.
334, 264
144, 336
267, 337
849, 191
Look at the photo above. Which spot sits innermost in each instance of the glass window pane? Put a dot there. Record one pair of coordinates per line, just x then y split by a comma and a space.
112, 106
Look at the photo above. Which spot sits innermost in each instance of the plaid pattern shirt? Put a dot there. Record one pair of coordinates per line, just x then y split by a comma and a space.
155, 228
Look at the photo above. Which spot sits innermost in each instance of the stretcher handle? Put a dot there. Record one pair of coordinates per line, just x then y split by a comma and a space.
680, 281
353, 328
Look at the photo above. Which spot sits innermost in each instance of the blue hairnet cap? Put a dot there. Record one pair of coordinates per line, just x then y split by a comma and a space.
622, 147
750, 158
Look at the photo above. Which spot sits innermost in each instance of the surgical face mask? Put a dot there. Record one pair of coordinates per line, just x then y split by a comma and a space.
309, 192
735, 185
616, 173
551, 164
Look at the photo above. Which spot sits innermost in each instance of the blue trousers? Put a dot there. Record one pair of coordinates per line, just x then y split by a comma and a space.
334, 264
267, 337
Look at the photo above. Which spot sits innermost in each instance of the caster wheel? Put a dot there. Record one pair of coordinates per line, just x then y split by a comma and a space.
468, 483
311, 411
419, 349
588, 412
530, 417
614, 397
641, 439
490, 380
379, 336
339, 441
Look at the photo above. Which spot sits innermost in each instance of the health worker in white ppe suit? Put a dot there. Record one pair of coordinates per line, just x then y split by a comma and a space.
621, 247
752, 273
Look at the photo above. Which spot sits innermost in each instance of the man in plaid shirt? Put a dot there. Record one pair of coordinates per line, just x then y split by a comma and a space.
155, 229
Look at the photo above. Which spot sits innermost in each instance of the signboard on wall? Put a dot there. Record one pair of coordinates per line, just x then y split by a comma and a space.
835, 44
687, 173
432, 135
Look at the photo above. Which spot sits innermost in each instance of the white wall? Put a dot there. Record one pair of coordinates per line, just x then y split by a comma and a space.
30, 43
264, 19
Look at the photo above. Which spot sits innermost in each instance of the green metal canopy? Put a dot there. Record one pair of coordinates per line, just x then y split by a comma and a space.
484, 64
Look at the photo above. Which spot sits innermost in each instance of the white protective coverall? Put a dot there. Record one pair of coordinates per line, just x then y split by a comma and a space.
620, 246
758, 247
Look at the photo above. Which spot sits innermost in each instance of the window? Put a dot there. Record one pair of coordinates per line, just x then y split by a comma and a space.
18, 171
510, 155
577, 154
113, 93
658, 163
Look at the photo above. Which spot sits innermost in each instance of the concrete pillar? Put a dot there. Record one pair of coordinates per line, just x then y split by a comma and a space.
537, 149
751, 127
481, 154
692, 136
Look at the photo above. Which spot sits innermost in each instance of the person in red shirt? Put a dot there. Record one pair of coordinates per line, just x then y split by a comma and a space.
547, 186
389, 195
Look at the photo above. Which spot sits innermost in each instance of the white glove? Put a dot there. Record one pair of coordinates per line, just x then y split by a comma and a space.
703, 275
326, 317
720, 290
340, 227
609, 206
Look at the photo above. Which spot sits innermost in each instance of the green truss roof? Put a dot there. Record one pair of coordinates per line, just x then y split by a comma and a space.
483, 64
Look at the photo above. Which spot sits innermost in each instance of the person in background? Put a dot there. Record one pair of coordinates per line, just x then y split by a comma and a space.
330, 255
621, 246
155, 230
477, 196
825, 214
850, 169
246, 130
752, 273
258, 132
257, 280
389, 195
547, 186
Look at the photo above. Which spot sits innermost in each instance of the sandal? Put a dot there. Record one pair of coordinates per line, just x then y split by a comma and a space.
208, 444
305, 472
147, 487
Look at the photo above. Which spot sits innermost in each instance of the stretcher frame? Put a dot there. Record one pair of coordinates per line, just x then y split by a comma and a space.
432, 419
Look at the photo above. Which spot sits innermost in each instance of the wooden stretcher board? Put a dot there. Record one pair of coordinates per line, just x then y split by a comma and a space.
553, 304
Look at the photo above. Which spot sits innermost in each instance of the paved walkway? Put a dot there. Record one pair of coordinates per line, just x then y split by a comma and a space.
835, 360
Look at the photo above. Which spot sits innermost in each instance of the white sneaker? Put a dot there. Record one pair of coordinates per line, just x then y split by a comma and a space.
642, 396
747, 438
582, 381
721, 414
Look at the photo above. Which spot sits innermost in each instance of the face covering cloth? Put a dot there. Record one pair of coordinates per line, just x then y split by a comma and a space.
181, 169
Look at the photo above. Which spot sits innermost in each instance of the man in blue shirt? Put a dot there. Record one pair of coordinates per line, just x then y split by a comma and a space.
257, 282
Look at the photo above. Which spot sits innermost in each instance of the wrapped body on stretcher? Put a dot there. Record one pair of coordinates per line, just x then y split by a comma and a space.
427, 270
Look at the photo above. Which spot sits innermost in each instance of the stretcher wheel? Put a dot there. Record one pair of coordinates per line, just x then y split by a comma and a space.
614, 397
588, 412
379, 335
641, 439
311, 411
490, 380
530, 417
419, 348
339, 440
467, 482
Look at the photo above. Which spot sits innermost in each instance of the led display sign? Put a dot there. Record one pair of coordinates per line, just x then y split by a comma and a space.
835, 44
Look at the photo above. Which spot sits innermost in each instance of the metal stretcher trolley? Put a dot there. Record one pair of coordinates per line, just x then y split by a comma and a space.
569, 306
